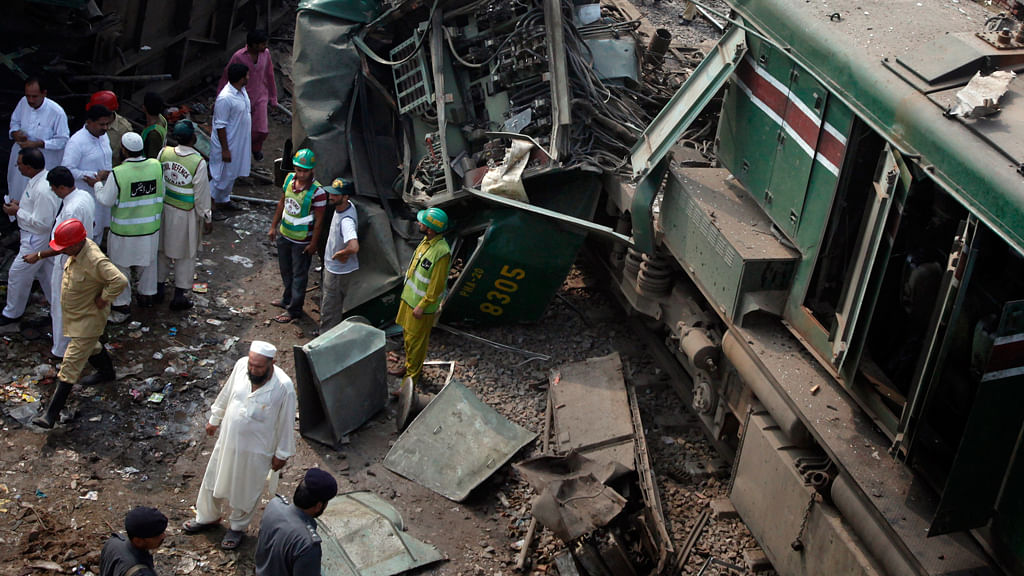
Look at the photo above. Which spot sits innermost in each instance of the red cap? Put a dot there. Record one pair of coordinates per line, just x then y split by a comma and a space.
102, 98
68, 233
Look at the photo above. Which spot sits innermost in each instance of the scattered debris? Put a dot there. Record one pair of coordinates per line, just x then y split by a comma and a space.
981, 95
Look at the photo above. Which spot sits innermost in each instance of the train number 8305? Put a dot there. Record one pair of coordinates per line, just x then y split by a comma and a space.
503, 288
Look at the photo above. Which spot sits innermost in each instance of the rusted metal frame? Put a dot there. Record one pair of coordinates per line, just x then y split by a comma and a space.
648, 485
532, 529
437, 68
561, 110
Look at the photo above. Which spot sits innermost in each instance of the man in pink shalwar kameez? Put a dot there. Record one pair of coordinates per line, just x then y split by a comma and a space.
262, 88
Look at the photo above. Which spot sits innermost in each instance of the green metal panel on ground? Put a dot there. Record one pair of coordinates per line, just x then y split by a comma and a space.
516, 260
363, 535
456, 443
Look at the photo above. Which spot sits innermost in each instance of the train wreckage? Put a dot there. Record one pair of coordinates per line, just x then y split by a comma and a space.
821, 218
826, 232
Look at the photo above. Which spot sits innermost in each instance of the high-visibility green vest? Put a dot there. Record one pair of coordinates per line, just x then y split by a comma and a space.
179, 178
417, 278
140, 198
160, 127
297, 219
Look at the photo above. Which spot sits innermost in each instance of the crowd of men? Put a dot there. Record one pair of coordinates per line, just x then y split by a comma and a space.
98, 205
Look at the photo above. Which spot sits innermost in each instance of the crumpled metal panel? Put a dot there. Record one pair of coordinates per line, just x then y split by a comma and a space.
364, 536
354, 10
341, 381
581, 390
456, 443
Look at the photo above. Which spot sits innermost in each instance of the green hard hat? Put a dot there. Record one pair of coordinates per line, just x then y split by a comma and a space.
433, 218
304, 158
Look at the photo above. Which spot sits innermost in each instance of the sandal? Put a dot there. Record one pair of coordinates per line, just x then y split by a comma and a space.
232, 539
193, 527
284, 319
278, 304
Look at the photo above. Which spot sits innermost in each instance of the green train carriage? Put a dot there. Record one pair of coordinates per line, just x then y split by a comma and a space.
853, 301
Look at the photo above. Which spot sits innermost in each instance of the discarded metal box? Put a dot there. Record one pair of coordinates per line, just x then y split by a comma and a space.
341, 379
365, 536
456, 443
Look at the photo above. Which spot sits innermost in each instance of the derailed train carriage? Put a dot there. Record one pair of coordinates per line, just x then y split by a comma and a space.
841, 275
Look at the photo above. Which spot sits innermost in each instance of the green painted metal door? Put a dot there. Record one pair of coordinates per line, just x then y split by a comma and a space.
797, 149
747, 132
873, 245
992, 436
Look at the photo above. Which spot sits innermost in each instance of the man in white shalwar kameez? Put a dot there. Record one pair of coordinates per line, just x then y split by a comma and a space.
74, 203
135, 219
255, 413
232, 137
186, 207
37, 122
36, 213
88, 156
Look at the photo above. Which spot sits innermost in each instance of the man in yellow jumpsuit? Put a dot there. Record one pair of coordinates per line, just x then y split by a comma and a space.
425, 284
90, 283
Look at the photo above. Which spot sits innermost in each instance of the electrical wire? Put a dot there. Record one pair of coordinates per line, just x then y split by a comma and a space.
358, 42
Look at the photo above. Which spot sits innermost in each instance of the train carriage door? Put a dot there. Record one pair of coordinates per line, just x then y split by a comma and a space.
991, 438
748, 130
797, 150
770, 131
890, 185
959, 268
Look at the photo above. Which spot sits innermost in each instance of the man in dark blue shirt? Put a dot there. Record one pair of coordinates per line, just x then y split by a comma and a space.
128, 555
288, 543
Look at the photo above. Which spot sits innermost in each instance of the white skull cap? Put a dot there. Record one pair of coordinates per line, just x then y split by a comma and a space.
263, 348
132, 142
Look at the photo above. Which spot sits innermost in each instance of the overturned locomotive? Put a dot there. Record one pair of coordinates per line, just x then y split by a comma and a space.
840, 272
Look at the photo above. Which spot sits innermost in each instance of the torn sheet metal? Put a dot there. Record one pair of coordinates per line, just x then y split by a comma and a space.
574, 496
578, 392
341, 381
577, 506
456, 443
506, 179
365, 536
981, 95
541, 471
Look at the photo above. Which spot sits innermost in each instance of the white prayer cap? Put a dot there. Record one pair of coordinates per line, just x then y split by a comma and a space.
132, 142
263, 348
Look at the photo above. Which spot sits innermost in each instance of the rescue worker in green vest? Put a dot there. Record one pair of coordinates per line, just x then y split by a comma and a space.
187, 213
135, 192
299, 219
154, 135
425, 286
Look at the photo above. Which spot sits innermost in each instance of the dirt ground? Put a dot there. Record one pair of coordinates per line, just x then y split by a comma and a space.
63, 492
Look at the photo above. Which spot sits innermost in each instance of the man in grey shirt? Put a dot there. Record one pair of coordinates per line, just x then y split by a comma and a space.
288, 543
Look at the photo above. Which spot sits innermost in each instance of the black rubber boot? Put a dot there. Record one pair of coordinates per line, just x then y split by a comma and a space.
179, 302
104, 366
60, 397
